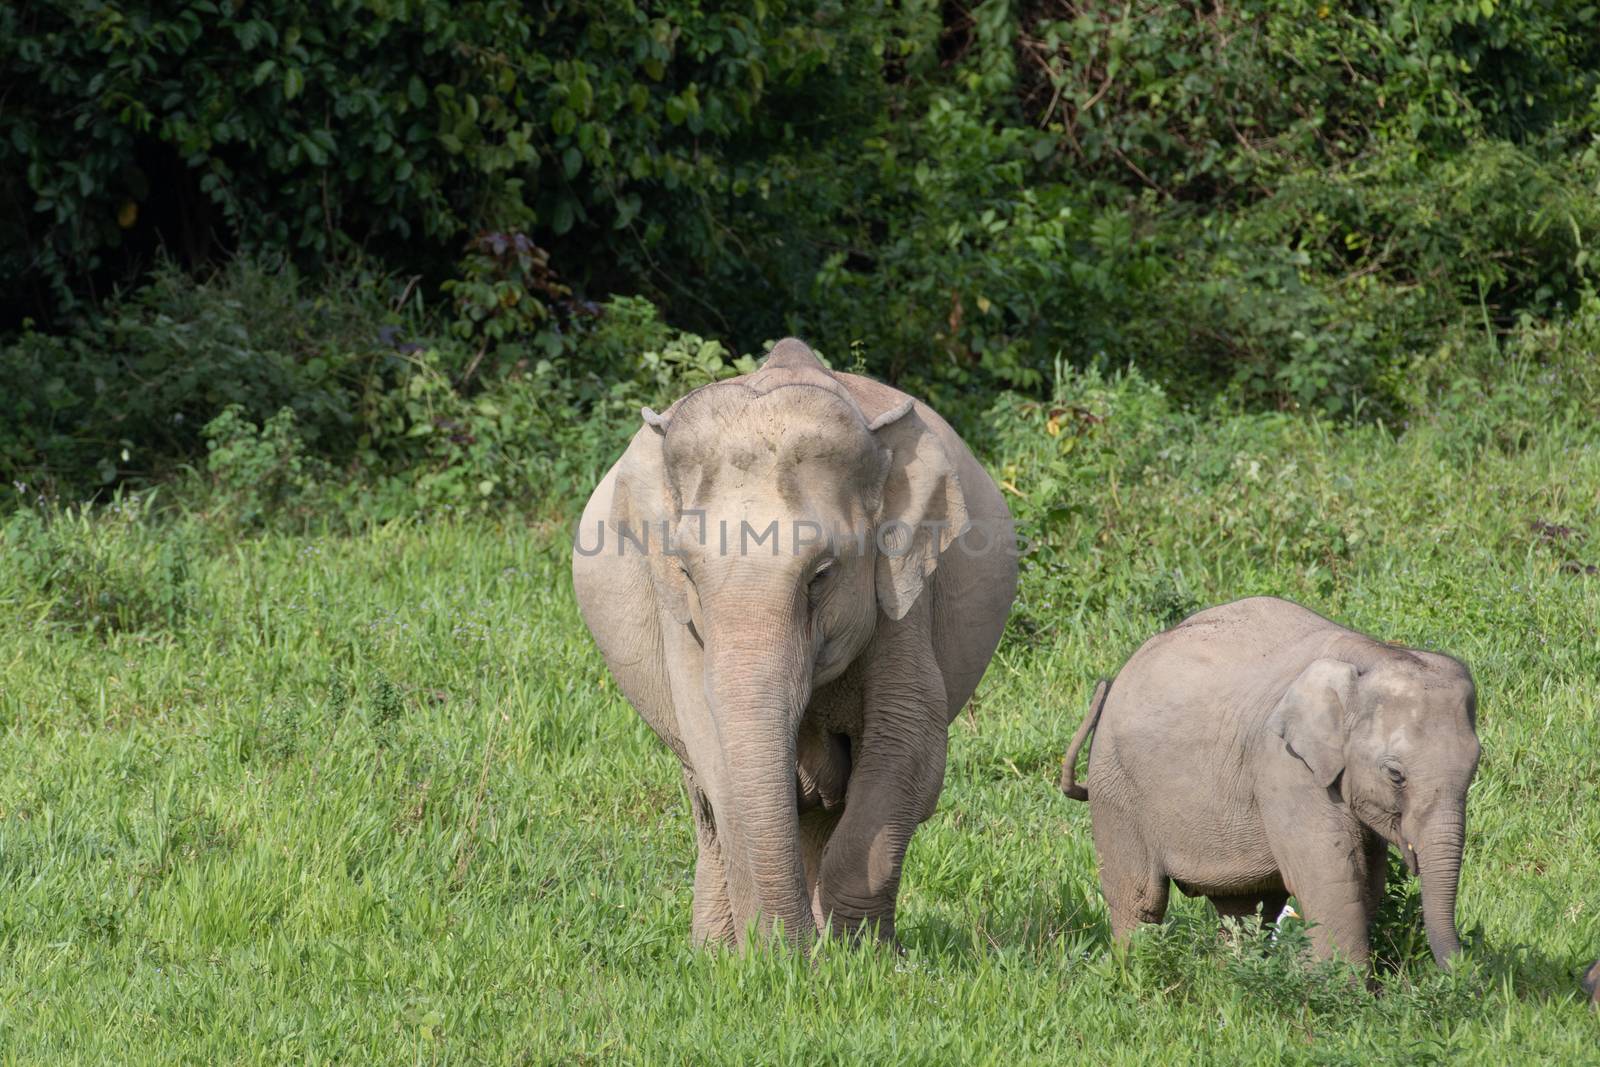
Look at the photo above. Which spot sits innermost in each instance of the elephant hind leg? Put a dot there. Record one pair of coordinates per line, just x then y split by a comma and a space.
1133, 882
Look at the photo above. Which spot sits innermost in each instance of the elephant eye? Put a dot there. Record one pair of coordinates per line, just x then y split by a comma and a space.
1396, 775
819, 577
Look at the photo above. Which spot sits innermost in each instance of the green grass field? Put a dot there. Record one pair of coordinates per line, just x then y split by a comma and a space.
370, 797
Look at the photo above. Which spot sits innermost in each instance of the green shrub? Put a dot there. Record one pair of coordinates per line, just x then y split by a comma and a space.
1100, 475
1414, 174
1217, 104
124, 396
257, 470
537, 435
290, 398
103, 571
306, 130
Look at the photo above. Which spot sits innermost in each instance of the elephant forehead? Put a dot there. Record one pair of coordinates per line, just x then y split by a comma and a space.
747, 436
1431, 738
1417, 693
1395, 683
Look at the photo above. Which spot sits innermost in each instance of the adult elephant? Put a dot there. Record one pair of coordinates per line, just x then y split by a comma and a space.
797, 578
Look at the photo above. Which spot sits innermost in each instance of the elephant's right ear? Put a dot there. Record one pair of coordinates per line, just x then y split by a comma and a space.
1310, 717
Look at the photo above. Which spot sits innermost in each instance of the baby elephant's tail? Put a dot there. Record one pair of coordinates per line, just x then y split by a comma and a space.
1069, 783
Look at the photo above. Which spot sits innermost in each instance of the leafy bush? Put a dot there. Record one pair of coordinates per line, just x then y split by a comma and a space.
257, 471
290, 397
106, 571
1414, 175
308, 129
127, 394
1294, 207
1217, 104
1097, 475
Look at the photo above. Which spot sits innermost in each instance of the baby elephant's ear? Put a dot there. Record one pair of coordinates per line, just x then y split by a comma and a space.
1310, 717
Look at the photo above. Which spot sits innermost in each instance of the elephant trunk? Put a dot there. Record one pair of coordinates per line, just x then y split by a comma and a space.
1440, 869
758, 685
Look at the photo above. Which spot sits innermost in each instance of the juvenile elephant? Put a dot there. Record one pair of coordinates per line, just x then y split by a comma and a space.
1257, 750
1591, 983
797, 578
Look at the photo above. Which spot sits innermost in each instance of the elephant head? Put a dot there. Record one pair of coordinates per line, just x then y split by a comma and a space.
1396, 737
795, 521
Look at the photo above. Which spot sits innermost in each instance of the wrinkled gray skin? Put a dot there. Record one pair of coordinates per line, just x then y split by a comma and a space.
1591, 983
1258, 750
806, 691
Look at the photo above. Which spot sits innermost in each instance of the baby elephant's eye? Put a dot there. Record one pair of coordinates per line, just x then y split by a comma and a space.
1396, 775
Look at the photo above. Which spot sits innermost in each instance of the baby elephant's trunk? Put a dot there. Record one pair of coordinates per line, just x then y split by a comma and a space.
1440, 857
1069, 766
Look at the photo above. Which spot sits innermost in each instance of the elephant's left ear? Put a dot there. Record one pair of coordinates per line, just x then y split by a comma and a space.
1310, 716
922, 512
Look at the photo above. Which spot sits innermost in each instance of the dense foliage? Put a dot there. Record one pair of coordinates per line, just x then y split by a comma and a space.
1289, 203
397, 125
298, 400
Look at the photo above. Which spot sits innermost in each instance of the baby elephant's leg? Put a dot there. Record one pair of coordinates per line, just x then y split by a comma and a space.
1326, 872
1133, 882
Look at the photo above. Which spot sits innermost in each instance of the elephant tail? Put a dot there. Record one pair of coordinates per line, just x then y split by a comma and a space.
1069, 772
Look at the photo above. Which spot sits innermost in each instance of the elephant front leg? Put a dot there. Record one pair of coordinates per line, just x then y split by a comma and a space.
890, 796
816, 829
713, 912
1327, 873
894, 786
